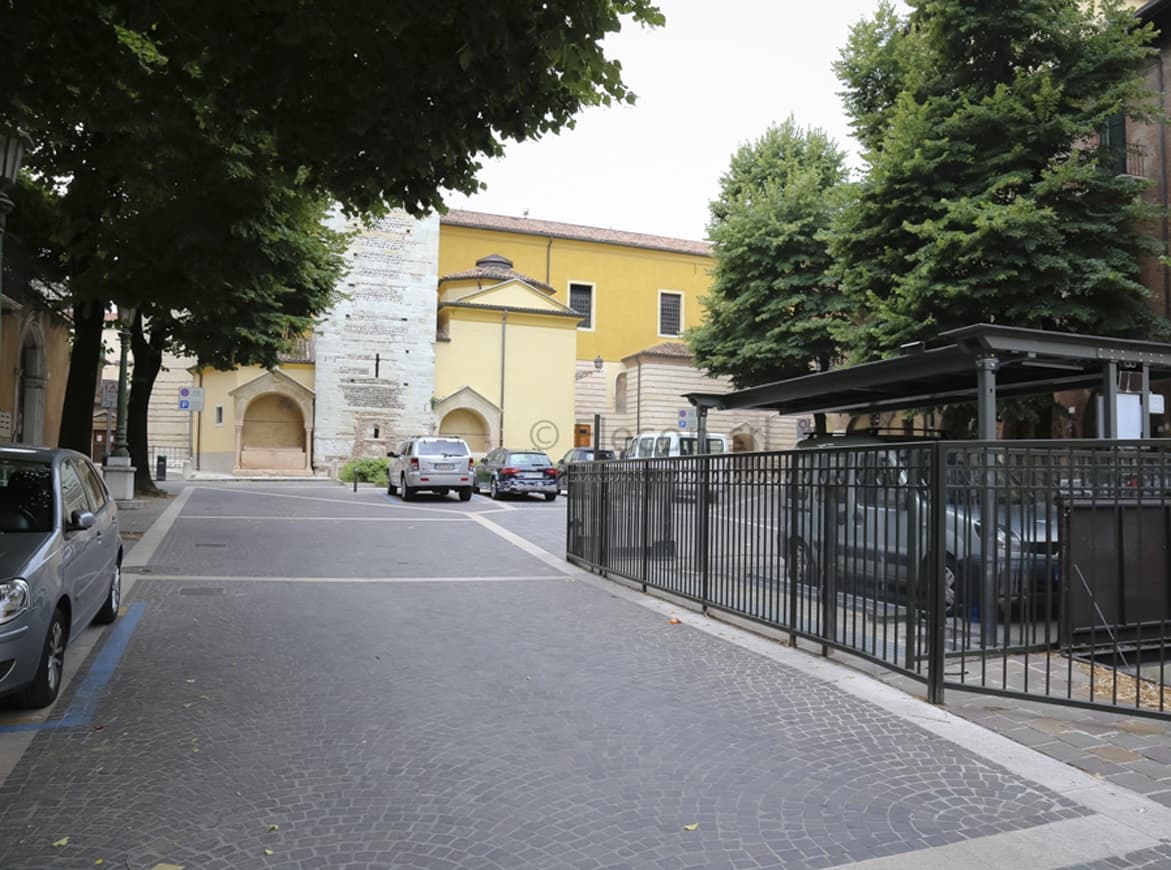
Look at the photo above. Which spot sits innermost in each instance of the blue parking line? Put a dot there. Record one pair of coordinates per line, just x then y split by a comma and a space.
85, 699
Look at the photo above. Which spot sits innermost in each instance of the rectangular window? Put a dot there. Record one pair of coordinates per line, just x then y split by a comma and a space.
581, 300
670, 313
219, 415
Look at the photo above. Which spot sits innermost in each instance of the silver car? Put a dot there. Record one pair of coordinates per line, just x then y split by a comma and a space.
432, 463
60, 565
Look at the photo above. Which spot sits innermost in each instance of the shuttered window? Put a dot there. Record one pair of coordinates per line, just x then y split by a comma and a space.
670, 313
581, 300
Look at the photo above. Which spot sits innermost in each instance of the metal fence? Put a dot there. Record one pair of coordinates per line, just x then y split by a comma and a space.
175, 457
1033, 569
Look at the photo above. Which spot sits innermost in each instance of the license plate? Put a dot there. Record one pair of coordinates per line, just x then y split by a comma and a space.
444, 466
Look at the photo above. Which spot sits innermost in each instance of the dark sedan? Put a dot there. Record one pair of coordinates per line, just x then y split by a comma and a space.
577, 454
516, 472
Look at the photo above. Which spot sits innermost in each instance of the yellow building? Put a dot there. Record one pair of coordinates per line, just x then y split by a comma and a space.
505, 331
505, 358
632, 290
256, 421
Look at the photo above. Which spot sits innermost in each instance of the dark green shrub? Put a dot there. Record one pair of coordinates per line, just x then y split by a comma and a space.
366, 470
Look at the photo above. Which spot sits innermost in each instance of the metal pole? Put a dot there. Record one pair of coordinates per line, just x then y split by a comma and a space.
702, 504
1110, 400
1146, 409
986, 368
120, 447
597, 434
937, 558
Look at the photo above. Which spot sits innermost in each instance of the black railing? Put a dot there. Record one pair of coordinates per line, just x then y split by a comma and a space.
883, 551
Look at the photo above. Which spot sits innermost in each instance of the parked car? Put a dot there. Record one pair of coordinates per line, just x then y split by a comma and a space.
61, 558
670, 442
516, 472
577, 454
871, 500
432, 463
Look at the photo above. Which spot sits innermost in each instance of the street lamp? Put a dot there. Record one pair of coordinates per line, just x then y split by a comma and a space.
125, 321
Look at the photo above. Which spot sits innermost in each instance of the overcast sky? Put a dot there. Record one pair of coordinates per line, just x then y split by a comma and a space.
715, 77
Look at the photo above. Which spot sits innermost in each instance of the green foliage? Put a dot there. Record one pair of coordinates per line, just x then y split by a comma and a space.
988, 196
367, 102
375, 470
771, 302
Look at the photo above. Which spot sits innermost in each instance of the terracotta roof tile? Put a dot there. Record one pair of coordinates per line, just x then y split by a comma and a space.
676, 349
503, 223
491, 273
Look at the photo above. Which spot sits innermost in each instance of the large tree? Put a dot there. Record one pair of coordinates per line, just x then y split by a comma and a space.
991, 193
771, 303
133, 107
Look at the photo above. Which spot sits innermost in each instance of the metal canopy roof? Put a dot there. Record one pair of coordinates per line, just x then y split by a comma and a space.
1028, 361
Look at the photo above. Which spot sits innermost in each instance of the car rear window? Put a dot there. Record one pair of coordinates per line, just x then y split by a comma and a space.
529, 460
443, 447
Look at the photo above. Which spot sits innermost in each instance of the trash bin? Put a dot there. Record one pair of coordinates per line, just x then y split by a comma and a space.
161, 467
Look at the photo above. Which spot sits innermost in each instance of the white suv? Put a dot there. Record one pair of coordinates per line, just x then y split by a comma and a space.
437, 463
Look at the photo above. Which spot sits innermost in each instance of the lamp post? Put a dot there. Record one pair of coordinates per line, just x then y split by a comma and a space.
125, 320
12, 147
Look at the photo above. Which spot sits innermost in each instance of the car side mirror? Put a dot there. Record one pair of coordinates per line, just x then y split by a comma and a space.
79, 520
392, 454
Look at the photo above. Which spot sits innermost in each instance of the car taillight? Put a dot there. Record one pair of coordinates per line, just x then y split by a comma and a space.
414, 463
509, 471
551, 472
471, 462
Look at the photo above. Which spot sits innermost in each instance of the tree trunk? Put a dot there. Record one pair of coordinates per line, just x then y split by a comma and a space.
148, 359
77, 414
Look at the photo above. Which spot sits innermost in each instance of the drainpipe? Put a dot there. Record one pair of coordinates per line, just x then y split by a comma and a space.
503, 335
548, 260
638, 401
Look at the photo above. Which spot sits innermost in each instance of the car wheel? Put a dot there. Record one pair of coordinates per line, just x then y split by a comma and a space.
549, 496
109, 611
465, 493
475, 486
949, 586
47, 683
390, 487
493, 489
407, 492
802, 567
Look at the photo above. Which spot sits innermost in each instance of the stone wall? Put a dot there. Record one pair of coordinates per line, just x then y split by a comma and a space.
388, 310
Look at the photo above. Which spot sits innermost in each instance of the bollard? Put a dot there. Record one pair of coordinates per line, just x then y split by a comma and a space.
161, 467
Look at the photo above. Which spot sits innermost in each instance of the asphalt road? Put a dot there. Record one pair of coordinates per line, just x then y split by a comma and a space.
307, 677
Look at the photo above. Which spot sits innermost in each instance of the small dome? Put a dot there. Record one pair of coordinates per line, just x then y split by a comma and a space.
495, 260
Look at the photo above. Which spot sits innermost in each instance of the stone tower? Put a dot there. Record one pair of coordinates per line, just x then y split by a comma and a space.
375, 350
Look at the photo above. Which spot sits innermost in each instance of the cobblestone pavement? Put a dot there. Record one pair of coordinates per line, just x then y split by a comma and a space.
324, 679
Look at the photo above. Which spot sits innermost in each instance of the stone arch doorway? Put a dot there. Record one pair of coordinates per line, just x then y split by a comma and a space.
268, 410
29, 422
468, 425
273, 434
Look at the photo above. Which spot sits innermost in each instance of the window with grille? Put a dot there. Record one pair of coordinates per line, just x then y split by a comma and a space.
581, 300
670, 313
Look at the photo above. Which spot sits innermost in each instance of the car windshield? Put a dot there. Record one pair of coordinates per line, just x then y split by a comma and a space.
443, 447
529, 460
587, 455
26, 496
